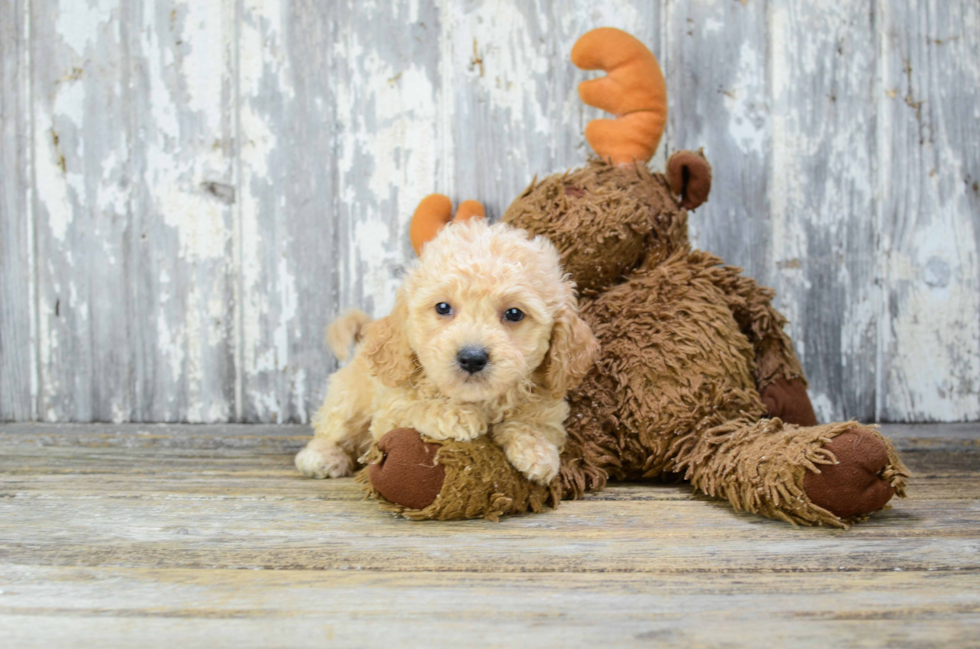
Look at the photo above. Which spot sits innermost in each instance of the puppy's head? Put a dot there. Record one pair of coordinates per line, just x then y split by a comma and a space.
485, 310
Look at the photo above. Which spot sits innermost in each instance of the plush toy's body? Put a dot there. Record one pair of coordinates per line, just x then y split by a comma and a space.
695, 377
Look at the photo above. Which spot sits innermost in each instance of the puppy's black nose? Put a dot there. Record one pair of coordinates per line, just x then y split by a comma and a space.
472, 359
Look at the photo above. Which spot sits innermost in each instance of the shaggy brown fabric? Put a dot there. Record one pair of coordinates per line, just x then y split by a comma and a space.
760, 323
864, 477
407, 472
788, 400
479, 483
687, 346
761, 467
606, 216
673, 364
689, 176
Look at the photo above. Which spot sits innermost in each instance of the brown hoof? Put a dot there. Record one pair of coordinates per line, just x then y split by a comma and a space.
854, 485
408, 474
789, 401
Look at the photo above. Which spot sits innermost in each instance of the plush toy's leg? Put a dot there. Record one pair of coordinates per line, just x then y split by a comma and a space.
834, 474
582, 465
778, 374
424, 479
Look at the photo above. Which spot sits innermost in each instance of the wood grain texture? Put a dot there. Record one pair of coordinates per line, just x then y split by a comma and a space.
245, 608
718, 57
929, 222
179, 239
822, 258
17, 361
206, 536
192, 191
83, 209
290, 255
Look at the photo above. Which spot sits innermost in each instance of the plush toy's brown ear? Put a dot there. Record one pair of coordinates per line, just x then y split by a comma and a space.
386, 348
572, 352
689, 176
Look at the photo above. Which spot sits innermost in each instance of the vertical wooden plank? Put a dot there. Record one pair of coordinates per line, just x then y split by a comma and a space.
16, 241
515, 104
498, 56
929, 179
133, 186
822, 197
82, 209
341, 128
719, 99
394, 138
287, 213
179, 240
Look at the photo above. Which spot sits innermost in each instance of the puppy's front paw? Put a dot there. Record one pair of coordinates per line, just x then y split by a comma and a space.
536, 458
323, 459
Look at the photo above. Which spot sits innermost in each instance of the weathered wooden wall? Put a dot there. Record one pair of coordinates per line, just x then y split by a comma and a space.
190, 191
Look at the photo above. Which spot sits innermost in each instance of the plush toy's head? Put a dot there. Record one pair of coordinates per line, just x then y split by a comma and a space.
610, 215
600, 218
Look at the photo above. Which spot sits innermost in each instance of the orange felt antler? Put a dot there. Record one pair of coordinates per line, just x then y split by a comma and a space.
633, 90
435, 211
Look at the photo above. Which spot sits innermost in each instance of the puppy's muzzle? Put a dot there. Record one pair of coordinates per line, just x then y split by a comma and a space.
472, 359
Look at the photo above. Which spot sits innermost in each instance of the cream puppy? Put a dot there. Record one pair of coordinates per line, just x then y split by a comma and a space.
484, 338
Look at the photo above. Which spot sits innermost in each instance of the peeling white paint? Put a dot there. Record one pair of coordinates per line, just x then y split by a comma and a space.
444, 148
52, 192
202, 44
747, 103
712, 25
192, 371
203, 107
170, 343
505, 61
80, 23
269, 298
936, 320
823, 407
299, 395
60, 186
398, 155
822, 197
287, 311
199, 220
929, 344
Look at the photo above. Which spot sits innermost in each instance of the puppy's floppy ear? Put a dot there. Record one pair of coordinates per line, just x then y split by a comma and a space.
572, 352
386, 348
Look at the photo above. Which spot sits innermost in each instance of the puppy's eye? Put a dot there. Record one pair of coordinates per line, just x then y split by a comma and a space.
443, 308
513, 315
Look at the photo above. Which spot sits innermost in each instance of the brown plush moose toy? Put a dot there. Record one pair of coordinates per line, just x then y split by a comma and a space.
695, 377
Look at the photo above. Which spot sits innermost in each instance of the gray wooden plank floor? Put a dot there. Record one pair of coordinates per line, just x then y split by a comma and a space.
150, 535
